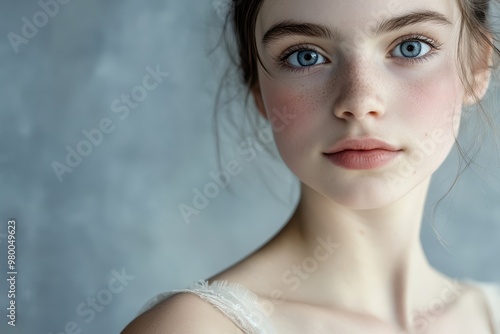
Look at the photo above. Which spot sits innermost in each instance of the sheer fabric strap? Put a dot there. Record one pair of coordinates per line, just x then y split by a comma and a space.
237, 303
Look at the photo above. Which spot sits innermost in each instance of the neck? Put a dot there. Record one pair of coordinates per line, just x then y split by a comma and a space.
376, 263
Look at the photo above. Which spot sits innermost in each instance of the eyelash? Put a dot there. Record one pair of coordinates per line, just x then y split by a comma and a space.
284, 65
283, 59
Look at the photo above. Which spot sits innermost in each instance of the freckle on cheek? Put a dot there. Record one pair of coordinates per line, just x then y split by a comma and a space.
297, 104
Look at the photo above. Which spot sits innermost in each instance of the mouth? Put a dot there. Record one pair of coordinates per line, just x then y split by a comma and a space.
362, 145
363, 154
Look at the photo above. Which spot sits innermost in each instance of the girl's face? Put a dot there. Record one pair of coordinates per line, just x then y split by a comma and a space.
353, 69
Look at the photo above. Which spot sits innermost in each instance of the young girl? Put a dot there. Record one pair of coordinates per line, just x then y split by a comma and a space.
365, 101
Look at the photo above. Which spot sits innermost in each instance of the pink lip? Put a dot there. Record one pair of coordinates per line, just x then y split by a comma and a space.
361, 145
362, 154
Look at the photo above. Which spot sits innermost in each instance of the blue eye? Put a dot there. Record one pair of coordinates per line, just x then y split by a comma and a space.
305, 58
412, 49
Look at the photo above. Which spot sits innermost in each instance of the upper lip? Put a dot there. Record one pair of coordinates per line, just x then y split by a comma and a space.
361, 145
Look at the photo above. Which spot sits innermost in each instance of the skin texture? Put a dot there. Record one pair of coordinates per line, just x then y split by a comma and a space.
362, 95
360, 89
377, 278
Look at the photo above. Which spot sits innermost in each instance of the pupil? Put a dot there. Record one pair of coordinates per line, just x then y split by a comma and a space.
411, 49
307, 58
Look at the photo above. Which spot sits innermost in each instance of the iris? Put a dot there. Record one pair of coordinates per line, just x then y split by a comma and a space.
411, 49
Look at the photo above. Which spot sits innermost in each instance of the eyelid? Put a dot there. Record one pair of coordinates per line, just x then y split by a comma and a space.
418, 37
297, 48
432, 43
282, 59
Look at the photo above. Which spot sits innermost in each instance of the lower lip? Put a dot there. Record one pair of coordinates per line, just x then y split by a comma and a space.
371, 159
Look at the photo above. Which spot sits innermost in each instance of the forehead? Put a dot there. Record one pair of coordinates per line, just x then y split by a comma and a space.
347, 15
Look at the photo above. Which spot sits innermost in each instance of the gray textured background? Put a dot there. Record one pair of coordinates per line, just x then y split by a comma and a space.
118, 209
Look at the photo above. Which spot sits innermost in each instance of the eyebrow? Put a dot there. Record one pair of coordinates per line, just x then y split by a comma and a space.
294, 27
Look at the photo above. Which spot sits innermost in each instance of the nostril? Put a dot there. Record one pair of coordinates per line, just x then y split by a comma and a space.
358, 114
375, 113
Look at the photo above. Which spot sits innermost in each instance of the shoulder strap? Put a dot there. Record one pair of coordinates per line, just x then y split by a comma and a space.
237, 303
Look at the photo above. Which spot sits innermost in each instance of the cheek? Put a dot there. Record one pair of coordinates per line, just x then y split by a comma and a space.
432, 113
436, 103
294, 113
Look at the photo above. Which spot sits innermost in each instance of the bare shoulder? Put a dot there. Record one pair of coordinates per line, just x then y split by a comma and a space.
470, 312
182, 313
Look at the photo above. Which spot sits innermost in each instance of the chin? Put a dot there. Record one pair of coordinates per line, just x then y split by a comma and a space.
363, 198
365, 192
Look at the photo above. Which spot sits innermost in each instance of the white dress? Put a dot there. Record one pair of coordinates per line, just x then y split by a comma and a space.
241, 306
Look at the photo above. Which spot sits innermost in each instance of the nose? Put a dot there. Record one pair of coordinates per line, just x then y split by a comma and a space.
360, 92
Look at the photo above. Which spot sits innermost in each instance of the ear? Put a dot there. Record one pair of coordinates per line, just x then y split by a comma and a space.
481, 74
257, 96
